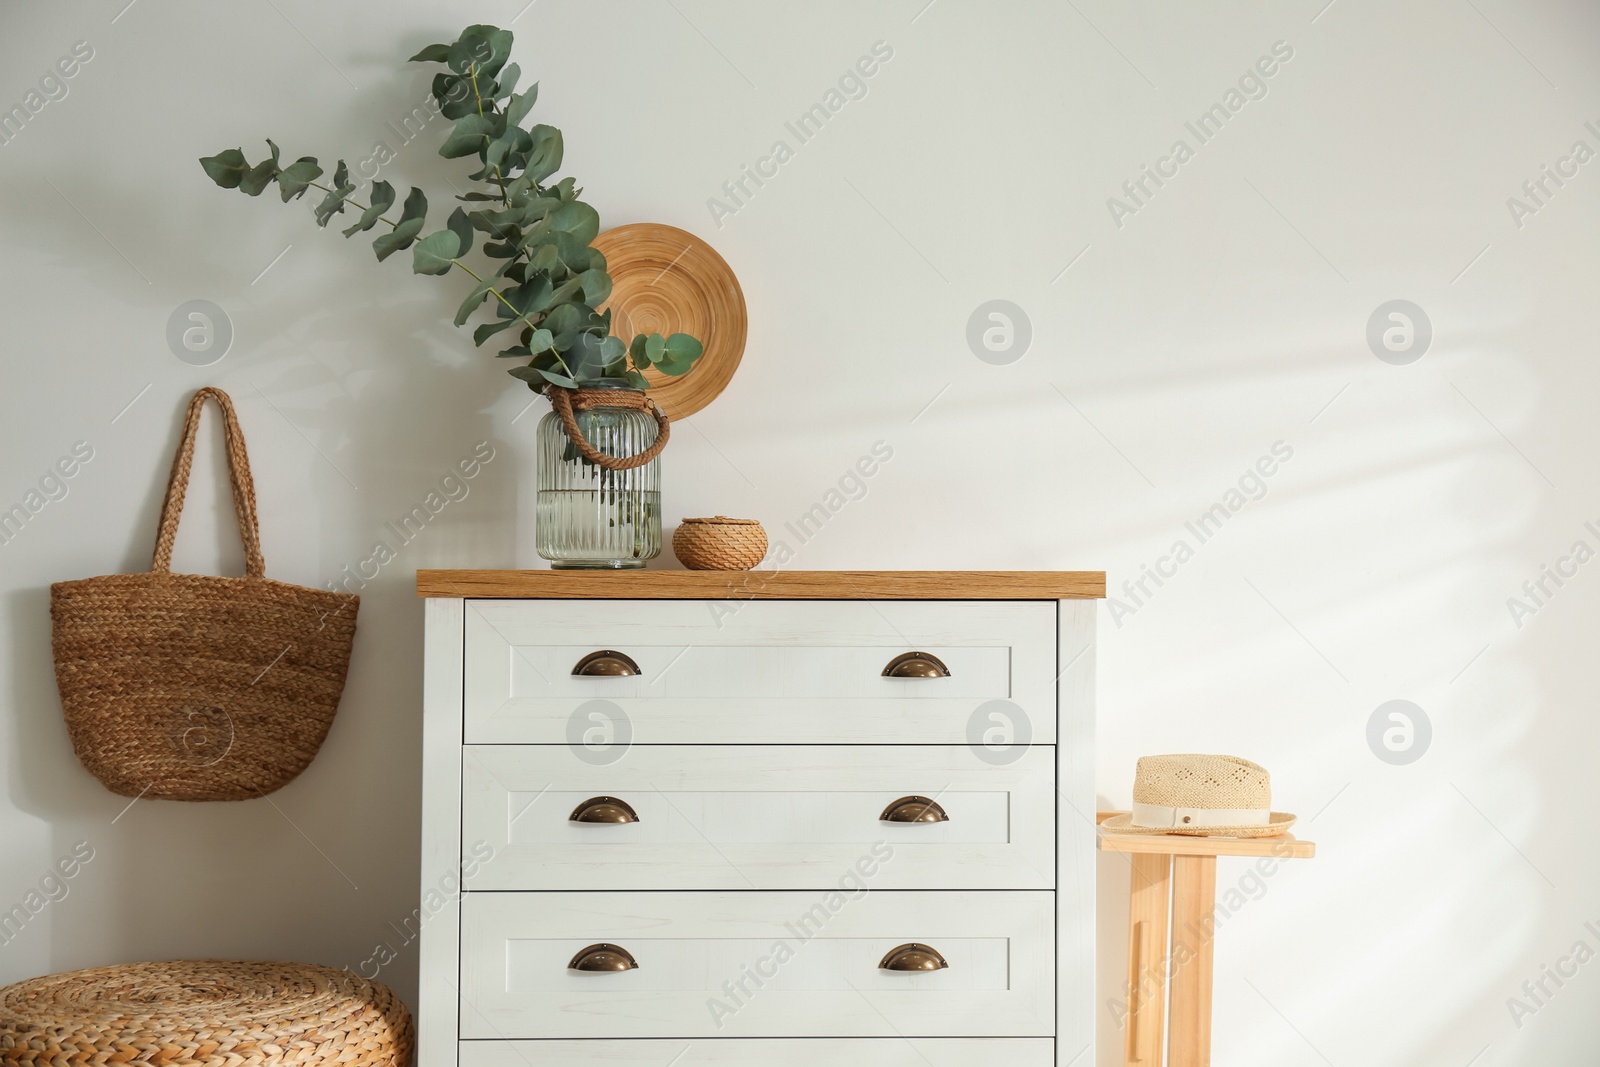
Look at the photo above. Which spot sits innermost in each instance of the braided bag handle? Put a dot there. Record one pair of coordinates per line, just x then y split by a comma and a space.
244, 489
565, 400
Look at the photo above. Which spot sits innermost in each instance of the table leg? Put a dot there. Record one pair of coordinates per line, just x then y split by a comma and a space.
1148, 907
1194, 896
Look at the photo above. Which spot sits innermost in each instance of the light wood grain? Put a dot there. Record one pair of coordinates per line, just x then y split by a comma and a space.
765, 585
666, 280
1194, 901
1284, 847
1148, 897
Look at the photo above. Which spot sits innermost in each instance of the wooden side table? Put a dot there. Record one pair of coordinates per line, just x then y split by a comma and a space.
1176, 877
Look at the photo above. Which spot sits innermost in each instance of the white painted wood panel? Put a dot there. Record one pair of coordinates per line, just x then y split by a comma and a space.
438, 949
761, 817
1075, 848
703, 996
760, 672
806, 1052
672, 965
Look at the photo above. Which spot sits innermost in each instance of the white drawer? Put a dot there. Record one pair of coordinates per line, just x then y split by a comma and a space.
804, 1052
757, 965
758, 672
760, 817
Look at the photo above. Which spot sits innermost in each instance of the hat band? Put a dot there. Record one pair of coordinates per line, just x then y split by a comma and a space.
1157, 816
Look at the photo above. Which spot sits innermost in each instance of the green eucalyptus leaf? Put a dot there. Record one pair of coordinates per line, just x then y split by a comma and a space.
655, 348
637, 380
492, 221
482, 49
499, 52
226, 168
434, 53
587, 357
454, 94
297, 177
596, 287
574, 252
565, 321
541, 340
434, 254
397, 239
567, 291
509, 151
637, 354
474, 298
333, 204
489, 329
506, 84
416, 206
545, 157
468, 137
674, 367
683, 348
578, 219
382, 200
547, 259
469, 50
528, 299
614, 350
258, 177
559, 379
520, 105
458, 225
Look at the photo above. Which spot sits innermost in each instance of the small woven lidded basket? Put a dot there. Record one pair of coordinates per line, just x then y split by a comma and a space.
189, 687
204, 1013
719, 544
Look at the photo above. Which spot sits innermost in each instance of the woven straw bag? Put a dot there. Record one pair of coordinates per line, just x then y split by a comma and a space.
189, 687
204, 1013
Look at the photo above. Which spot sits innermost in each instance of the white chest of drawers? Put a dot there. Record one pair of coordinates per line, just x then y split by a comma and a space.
737, 839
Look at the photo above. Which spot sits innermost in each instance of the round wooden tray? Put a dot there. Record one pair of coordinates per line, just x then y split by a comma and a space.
666, 280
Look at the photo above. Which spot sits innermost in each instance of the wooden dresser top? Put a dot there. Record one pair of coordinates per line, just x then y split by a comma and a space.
764, 585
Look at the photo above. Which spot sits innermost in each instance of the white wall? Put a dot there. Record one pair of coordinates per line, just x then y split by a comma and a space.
1228, 313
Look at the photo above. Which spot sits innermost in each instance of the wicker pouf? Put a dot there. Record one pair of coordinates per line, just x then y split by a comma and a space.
219, 1013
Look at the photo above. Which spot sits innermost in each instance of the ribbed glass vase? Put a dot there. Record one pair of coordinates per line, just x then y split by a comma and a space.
590, 517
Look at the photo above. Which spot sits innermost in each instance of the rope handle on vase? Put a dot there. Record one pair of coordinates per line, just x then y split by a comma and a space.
565, 400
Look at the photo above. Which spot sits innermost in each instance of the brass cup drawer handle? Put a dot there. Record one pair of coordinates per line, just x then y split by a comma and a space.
603, 957
604, 810
606, 663
914, 809
913, 957
916, 665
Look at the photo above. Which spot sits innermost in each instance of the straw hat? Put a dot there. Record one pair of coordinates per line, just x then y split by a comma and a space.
1201, 796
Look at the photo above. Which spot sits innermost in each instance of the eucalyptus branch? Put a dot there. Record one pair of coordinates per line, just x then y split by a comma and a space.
515, 314
500, 179
545, 225
352, 203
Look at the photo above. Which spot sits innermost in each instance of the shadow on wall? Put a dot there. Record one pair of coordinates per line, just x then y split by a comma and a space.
386, 443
